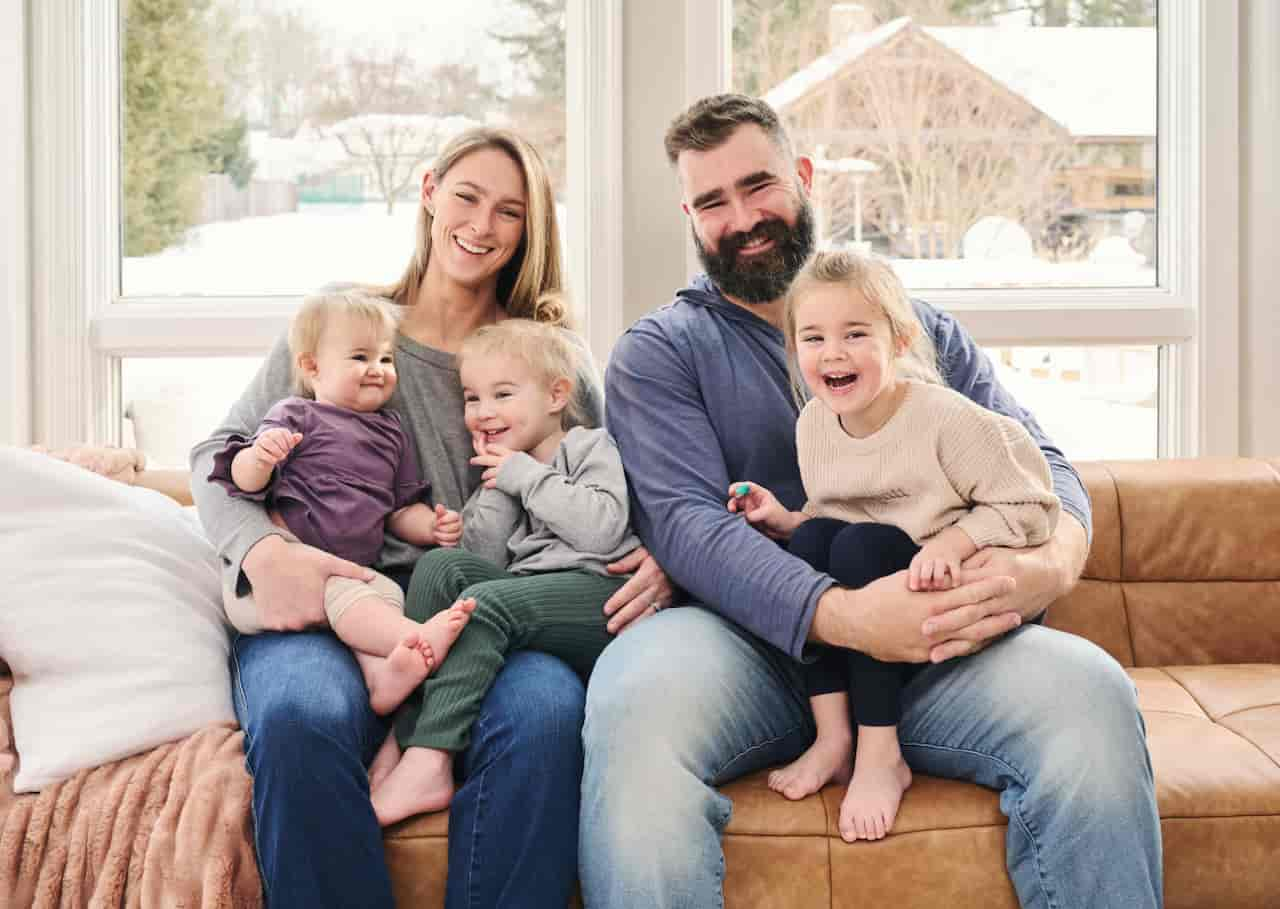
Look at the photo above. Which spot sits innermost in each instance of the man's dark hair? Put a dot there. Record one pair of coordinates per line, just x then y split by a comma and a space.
711, 121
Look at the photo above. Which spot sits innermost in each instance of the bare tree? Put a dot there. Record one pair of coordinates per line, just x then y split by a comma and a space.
287, 55
393, 148
952, 145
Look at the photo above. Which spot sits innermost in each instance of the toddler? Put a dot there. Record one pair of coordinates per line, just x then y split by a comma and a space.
550, 513
335, 471
900, 472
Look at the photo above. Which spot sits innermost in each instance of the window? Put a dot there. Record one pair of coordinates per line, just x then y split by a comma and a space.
966, 141
1057, 208
270, 148
198, 165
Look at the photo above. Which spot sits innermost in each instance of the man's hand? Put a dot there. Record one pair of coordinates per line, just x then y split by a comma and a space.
288, 581
888, 621
646, 593
1041, 575
763, 511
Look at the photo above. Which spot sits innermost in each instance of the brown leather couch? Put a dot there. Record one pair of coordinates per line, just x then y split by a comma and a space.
1182, 587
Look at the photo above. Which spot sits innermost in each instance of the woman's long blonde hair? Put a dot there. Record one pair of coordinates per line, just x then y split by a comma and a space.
531, 285
874, 280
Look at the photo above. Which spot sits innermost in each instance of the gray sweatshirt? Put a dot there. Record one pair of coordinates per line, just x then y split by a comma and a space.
428, 397
571, 514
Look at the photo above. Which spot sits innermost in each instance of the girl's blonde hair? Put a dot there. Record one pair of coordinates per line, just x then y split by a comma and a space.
546, 349
874, 280
530, 286
319, 312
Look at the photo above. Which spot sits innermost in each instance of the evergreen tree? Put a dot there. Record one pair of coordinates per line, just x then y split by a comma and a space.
174, 120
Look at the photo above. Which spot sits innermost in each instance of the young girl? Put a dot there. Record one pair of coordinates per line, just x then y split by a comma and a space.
336, 472
899, 472
551, 512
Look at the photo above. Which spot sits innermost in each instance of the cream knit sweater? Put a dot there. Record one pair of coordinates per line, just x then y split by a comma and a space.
940, 460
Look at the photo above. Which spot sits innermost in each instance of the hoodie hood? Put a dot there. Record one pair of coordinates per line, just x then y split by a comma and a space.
702, 291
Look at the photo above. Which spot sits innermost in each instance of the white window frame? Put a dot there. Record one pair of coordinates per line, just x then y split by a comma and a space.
83, 327
1194, 309
78, 330
15, 292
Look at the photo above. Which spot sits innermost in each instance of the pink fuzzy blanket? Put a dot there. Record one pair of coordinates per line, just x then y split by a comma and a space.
167, 828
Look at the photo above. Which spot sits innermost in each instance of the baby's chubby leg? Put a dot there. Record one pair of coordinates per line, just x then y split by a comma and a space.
395, 653
828, 759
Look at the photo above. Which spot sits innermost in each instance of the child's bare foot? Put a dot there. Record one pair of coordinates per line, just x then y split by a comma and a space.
443, 628
829, 759
391, 680
880, 776
384, 761
421, 782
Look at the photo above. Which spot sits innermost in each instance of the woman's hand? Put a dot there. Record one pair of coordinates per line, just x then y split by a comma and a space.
288, 582
763, 511
646, 593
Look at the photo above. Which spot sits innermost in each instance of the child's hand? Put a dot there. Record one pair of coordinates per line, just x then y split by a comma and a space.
448, 527
491, 457
937, 565
763, 511
273, 446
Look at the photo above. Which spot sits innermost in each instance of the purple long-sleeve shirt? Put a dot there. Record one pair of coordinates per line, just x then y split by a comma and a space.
698, 397
336, 489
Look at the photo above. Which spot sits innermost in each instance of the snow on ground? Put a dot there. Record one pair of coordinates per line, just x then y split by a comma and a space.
177, 401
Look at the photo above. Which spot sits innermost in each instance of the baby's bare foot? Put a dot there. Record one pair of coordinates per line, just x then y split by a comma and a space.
829, 759
391, 680
871, 803
384, 761
421, 782
442, 629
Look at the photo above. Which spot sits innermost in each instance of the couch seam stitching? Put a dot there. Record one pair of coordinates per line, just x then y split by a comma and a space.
1124, 594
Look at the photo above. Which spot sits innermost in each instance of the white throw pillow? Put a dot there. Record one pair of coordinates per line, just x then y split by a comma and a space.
110, 619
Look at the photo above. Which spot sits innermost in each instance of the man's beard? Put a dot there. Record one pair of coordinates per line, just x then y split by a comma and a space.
765, 277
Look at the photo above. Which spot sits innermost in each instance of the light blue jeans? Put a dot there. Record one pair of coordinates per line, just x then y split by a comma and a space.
682, 703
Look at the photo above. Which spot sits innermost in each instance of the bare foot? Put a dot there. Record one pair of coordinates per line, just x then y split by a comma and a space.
880, 776
384, 761
829, 758
421, 782
391, 680
442, 629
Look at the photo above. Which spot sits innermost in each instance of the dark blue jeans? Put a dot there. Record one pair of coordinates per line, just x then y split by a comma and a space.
309, 734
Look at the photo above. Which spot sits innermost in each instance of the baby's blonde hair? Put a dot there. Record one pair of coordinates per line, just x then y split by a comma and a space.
543, 347
874, 280
319, 312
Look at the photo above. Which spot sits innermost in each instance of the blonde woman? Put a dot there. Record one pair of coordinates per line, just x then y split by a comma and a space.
486, 250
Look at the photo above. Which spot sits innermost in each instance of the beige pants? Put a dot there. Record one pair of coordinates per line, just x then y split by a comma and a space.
339, 594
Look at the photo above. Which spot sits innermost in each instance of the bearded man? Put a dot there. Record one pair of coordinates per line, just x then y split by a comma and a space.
698, 397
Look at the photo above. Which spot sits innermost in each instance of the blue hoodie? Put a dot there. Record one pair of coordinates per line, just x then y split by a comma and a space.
699, 397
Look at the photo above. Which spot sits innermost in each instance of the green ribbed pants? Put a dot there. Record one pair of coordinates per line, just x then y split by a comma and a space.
560, 613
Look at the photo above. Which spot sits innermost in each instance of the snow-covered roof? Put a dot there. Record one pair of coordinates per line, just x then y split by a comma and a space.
1093, 81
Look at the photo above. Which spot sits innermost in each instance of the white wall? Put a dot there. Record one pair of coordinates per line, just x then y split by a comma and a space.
15, 296
654, 235
1259, 228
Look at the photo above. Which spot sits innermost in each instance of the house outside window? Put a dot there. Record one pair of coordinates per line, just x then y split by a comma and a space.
998, 154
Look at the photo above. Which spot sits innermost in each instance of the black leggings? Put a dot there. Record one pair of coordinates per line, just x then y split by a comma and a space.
855, 555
